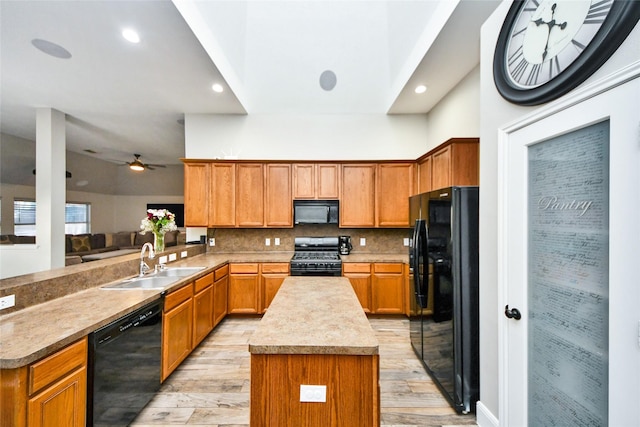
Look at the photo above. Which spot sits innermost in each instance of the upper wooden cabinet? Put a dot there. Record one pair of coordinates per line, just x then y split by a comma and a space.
456, 162
222, 195
316, 180
278, 208
250, 195
394, 185
357, 195
424, 175
196, 194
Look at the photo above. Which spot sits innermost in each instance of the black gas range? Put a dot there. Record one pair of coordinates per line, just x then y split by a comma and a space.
316, 256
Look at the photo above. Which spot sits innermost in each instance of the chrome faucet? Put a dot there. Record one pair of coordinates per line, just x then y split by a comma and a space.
143, 265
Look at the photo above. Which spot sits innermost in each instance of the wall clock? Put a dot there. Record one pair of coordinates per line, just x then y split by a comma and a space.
548, 47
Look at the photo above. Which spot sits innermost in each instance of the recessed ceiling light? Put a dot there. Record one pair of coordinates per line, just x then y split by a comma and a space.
421, 89
130, 35
216, 87
51, 48
328, 80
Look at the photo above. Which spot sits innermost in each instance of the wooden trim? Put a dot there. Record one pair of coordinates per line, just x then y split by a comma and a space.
447, 143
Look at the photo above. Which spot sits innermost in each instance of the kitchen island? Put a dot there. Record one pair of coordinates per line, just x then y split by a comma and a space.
314, 358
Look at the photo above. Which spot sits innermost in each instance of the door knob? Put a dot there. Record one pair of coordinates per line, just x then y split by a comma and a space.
514, 313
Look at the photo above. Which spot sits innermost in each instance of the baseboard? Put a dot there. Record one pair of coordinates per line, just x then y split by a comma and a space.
484, 417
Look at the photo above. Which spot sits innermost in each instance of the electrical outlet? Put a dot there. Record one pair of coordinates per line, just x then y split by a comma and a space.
173, 257
363, 241
8, 301
276, 241
162, 259
313, 393
267, 242
406, 241
183, 254
212, 241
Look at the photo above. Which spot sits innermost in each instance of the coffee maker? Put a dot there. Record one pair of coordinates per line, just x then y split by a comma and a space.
345, 245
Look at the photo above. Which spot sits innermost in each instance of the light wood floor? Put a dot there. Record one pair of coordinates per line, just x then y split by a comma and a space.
211, 388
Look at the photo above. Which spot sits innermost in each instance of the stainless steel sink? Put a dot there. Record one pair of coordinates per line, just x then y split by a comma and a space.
149, 282
178, 271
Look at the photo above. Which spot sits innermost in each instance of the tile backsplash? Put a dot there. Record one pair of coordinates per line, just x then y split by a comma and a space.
378, 240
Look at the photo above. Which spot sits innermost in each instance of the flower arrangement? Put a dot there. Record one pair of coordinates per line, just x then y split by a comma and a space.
158, 221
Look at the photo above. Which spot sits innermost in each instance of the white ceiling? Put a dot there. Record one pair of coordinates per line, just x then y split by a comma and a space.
122, 98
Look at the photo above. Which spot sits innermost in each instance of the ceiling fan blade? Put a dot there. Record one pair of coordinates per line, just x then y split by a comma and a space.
157, 166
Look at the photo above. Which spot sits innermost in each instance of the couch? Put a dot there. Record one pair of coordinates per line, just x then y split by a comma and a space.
89, 244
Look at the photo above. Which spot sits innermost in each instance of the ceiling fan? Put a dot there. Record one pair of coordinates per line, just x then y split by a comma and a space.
138, 166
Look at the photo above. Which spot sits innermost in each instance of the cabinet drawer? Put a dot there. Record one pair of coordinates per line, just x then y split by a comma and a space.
356, 267
175, 298
243, 268
221, 272
57, 365
203, 282
275, 267
381, 267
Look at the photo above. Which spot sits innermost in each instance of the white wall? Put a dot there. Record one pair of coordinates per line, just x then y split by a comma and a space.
306, 137
495, 112
457, 114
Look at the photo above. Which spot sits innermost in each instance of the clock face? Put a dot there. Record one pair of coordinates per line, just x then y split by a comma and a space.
548, 47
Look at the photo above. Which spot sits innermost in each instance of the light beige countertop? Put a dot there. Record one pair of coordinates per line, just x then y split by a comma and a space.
314, 315
53, 321
368, 257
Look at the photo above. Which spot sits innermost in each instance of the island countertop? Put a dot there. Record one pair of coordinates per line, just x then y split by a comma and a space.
314, 315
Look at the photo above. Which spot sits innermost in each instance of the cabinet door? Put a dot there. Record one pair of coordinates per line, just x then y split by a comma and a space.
61, 404
357, 195
279, 210
177, 336
270, 285
249, 195
424, 175
220, 295
202, 314
304, 177
359, 274
394, 185
441, 168
327, 181
196, 194
466, 162
222, 199
387, 289
244, 280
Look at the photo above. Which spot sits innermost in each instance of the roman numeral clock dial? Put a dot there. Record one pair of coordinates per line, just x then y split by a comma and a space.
548, 47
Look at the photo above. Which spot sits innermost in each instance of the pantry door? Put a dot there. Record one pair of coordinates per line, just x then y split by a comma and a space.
569, 250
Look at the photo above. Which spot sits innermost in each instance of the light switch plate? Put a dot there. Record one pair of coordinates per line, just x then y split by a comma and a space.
406, 241
173, 257
313, 393
363, 241
276, 241
183, 254
162, 259
267, 242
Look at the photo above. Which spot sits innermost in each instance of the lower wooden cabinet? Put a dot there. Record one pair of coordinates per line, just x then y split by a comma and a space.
220, 293
388, 288
202, 308
381, 288
271, 275
49, 393
359, 275
177, 329
244, 286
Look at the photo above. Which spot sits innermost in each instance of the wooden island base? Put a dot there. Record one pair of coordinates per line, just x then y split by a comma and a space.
315, 333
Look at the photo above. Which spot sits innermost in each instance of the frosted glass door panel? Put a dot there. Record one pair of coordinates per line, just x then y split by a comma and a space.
568, 276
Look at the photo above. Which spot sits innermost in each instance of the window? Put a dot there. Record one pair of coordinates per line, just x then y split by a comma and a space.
24, 218
77, 218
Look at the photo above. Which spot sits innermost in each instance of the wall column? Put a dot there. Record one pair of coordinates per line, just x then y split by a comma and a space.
50, 186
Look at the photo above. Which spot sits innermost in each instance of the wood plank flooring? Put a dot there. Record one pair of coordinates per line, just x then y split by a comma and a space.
211, 388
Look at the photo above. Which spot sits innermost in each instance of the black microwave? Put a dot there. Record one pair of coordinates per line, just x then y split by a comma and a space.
315, 211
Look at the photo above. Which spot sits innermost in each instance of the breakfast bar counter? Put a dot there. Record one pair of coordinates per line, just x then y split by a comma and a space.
314, 358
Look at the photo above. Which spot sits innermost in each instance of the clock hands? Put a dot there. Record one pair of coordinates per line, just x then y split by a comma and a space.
550, 24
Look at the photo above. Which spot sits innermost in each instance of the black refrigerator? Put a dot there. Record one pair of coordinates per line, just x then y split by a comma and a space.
443, 256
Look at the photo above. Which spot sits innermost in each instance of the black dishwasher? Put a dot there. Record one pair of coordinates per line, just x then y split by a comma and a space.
124, 366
